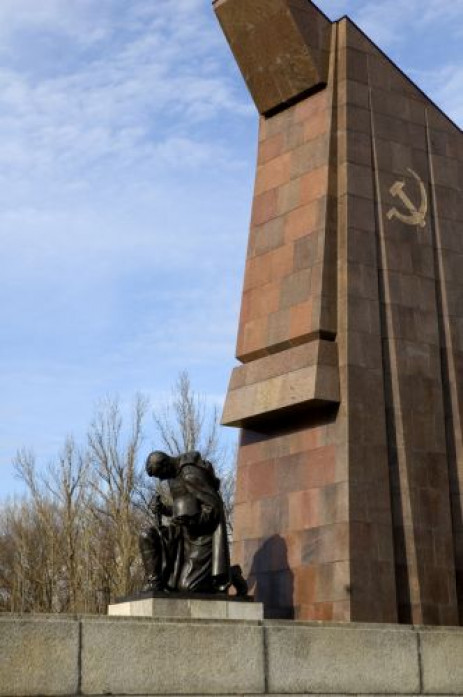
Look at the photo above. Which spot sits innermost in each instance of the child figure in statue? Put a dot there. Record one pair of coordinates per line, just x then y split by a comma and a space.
190, 553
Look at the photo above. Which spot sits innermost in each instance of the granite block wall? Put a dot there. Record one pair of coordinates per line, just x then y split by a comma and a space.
98, 656
349, 502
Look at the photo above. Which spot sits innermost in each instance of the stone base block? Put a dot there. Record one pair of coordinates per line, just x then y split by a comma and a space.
160, 607
302, 377
138, 656
39, 655
74, 656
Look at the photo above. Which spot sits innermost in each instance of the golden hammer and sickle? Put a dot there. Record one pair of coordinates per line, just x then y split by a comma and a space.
416, 217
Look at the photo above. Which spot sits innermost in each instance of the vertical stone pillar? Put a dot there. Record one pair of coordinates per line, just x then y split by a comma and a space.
347, 395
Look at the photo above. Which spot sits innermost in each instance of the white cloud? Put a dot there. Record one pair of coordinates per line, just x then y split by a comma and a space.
389, 22
450, 93
105, 149
139, 92
72, 18
445, 85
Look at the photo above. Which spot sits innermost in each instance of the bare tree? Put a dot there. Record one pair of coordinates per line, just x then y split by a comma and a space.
75, 537
71, 544
37, 532
66, 482
115, 476
186, 422
57, 499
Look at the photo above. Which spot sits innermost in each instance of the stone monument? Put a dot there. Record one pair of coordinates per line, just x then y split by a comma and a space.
349, 398
190, 553
185, 548
350, 393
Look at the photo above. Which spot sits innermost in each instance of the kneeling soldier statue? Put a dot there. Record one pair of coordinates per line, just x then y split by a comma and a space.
189, 553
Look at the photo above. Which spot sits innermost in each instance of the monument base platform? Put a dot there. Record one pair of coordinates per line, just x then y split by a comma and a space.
48, 656
193, 606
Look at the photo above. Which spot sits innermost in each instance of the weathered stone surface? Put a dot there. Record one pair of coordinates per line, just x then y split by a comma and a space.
304, 658
300, 376
355, 240
38, 656
262, 33
188, 608
441, 659
149, 657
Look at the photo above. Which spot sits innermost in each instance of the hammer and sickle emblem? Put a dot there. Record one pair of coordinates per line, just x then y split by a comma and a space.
417, 216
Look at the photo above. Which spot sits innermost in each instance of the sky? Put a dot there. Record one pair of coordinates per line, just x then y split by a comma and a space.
127, 156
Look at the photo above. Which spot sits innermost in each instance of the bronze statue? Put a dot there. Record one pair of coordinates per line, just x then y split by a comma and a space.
189, 553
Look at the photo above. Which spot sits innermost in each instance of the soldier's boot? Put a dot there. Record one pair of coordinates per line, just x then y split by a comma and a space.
238, 581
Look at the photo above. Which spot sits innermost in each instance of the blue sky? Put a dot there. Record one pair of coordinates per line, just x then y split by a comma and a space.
127, 154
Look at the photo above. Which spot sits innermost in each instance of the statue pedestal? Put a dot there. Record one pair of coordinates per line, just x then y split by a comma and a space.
206, 607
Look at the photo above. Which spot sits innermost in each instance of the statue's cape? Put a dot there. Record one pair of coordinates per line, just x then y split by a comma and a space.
202, 483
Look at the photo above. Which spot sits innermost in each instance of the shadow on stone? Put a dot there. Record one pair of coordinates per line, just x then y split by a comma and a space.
271, 580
